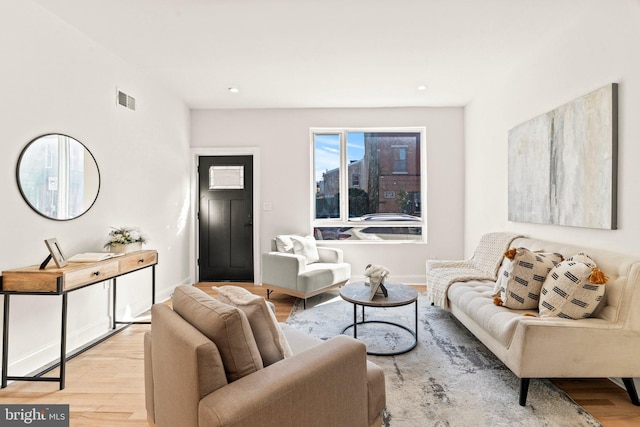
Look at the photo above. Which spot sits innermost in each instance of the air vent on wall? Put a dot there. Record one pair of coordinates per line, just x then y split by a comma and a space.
126, 100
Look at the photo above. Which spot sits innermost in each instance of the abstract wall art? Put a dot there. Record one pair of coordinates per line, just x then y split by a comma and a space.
563, 164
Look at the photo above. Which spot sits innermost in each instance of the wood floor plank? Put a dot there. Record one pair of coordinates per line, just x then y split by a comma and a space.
105, 385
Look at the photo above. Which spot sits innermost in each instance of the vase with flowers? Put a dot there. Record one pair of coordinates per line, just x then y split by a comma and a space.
125, 240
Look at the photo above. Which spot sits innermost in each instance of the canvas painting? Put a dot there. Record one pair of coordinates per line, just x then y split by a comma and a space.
563, 164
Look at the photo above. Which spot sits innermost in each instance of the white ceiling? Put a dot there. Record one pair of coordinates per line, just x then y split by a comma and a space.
321, 53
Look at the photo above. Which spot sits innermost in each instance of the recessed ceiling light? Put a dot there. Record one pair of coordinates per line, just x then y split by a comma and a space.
422, 87
234, 90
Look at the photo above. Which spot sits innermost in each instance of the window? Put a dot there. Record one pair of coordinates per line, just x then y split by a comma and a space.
399, 159
372, 176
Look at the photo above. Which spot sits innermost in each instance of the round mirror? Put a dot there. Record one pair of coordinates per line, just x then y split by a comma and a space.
58, 177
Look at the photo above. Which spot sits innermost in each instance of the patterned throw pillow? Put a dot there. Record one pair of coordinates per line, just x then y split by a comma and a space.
573, 289
521, 279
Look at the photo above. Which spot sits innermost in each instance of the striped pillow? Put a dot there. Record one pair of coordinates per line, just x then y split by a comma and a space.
573, 289
522, 278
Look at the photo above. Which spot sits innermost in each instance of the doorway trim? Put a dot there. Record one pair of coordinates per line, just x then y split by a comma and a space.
254, 152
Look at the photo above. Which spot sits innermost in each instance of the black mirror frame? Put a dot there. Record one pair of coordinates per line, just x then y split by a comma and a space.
24, 197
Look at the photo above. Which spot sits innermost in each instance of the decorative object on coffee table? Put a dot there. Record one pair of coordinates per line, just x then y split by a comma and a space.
398, 295
376, 275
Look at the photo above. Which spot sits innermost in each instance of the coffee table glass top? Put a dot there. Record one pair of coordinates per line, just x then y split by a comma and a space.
358, 293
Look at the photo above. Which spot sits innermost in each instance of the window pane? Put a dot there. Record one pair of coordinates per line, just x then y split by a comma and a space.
399, 159
384, 174
327, 175
358, 196
226, 177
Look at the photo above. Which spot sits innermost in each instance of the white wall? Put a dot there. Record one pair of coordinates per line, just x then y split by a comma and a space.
282, 138
54, 79
596, 50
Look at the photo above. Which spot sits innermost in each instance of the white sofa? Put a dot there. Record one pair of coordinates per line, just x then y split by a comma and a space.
602, 346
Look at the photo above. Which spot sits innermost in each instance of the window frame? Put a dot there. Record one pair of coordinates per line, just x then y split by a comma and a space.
344, 220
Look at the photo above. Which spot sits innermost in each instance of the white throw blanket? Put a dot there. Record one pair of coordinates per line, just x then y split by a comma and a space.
483, 265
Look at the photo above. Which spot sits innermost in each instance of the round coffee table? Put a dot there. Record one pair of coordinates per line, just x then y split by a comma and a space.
399, 295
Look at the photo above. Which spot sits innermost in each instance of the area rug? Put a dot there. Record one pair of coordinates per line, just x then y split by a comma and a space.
449, 379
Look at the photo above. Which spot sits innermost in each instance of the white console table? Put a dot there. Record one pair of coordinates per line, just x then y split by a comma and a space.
59, 282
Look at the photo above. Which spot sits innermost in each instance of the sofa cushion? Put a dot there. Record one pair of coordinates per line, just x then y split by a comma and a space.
223, 324
571, 290
475, 299
306, 246
269, 337
321, 275
522, 276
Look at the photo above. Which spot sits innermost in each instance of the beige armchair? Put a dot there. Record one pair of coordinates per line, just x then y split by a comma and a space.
190, 380
296, 267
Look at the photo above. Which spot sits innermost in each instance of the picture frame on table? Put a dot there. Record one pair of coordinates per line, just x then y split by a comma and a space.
55, 252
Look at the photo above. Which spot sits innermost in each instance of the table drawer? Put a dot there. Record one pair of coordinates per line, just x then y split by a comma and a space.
140, 260
94, 273
29, 282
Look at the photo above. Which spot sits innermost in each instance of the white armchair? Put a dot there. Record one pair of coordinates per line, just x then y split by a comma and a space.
296, 267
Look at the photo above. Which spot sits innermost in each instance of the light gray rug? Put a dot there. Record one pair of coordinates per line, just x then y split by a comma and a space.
449, 379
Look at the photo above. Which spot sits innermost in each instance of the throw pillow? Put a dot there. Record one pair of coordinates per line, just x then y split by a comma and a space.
284, 243
271, 341
223, 324
573, 289
306, 246
496, 286
523, 276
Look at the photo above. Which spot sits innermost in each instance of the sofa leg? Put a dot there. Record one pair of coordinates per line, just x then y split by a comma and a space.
304, 303
269, 293
631, 389
524, 389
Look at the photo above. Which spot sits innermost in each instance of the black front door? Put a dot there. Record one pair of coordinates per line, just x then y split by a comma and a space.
225, 218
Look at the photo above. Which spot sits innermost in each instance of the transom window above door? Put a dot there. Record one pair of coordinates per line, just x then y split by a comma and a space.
368, 184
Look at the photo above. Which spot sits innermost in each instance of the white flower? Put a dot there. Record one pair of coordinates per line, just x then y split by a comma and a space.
125, 235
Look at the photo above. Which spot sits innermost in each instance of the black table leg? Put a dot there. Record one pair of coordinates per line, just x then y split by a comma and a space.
5, 341
113, 308
416, 329
153, 284
63, 342
355, 320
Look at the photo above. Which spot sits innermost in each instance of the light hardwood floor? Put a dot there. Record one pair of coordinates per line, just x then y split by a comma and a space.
105, 385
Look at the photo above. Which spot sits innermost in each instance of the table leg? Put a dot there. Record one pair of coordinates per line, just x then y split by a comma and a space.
153, 284
113, 308
63, 342
355, 320
5, 341
416, 329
